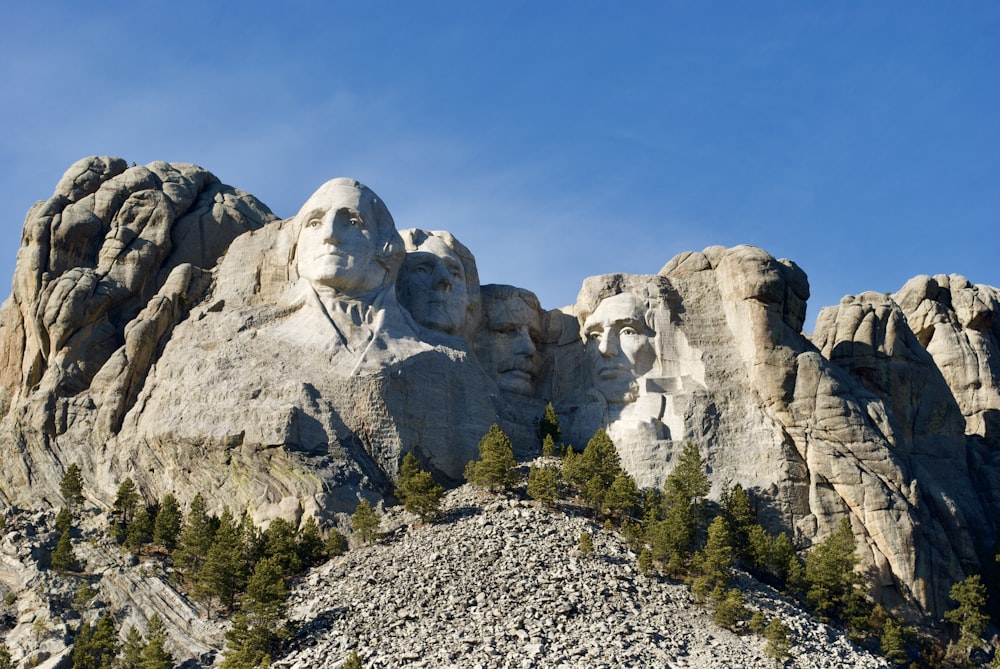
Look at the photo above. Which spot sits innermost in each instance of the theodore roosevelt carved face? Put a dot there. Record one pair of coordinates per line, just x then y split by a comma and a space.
347, 240
507, 343
619, 345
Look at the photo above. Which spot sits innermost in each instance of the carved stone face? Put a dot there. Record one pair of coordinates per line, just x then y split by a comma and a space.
338, 244
618, 346
507, 343
432, 287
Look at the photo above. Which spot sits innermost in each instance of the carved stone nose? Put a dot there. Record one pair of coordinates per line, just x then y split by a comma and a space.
442, 278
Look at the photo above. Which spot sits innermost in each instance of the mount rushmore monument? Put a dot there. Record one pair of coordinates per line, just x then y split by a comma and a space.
165, 327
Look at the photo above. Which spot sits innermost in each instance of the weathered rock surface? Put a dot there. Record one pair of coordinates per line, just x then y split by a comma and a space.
168, 328
41, 617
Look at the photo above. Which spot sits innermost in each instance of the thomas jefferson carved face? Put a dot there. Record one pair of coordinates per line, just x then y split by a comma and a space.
345, 242
432, 287
619, 347
507, 340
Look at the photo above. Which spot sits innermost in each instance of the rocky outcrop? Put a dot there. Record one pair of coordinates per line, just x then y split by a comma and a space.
168, 328
106, 267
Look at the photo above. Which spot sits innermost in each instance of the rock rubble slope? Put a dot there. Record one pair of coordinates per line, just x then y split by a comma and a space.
501, 583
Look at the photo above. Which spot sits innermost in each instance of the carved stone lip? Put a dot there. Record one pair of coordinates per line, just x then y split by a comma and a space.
612, 372
518, 374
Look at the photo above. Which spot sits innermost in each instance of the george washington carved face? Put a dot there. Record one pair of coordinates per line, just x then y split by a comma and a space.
347, 240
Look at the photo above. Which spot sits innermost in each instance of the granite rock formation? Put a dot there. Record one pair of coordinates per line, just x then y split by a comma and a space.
171, 329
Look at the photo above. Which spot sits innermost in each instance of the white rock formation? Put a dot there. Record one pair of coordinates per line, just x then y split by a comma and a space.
168, 328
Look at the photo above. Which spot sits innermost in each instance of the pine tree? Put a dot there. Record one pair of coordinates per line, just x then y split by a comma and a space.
684, 498
246, 645
167, 527
738, 510
310, 544
71, 486
64, 521
84, 595
154, 653
969, 615
126, 501
256, 633
418, 490
335, 543
892, 642
195, 540
131, 653
645, 561
832, 584
715, 560
595, 470
63, 557
543, 484
586, 543
778, 644
623, 495
365, 521
280, 545
6, 662
224, 571
96, 647
495, 468
730, 609
548, 446
548, 426
140, 530
266, 592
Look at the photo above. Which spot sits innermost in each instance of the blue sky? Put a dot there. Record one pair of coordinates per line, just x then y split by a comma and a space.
556, 139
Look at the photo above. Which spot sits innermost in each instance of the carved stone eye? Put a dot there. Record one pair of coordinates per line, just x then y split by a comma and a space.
314, 221
628, 330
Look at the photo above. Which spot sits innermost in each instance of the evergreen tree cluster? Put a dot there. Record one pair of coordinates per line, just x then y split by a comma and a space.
97, 646
223, 561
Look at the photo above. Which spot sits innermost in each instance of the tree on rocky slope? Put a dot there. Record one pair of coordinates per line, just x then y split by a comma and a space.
223, 574
593, 472
494, 470
257, 633
833, 588
310, 544
548, 426
714, 562
195, 539
685, 489
969, 616
154, 652
96, 647
543, 484
365, 521
63, 557
167, 526
71, 486
418, 491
